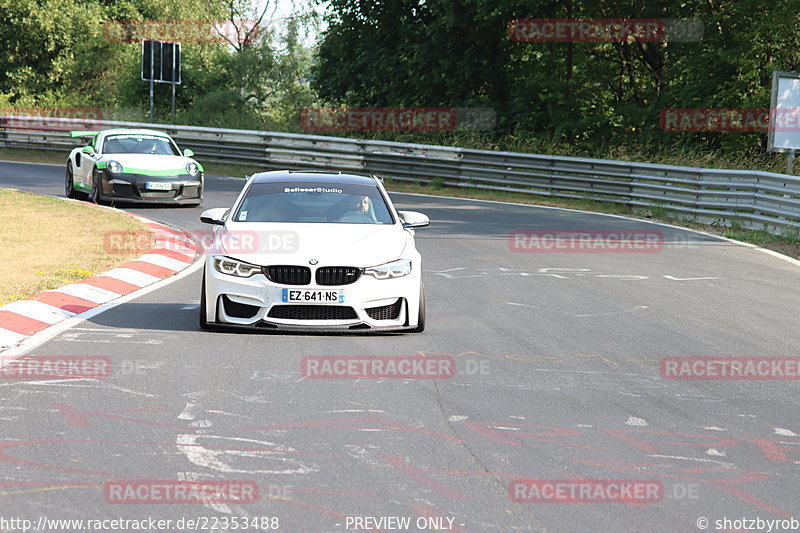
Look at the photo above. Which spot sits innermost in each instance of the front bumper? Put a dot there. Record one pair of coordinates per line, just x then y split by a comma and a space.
183, 189
256, 302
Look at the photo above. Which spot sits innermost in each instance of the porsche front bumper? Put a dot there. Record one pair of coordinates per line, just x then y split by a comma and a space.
178, 189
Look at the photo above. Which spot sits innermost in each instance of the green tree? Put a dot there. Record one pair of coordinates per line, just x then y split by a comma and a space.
457, 52
40, 43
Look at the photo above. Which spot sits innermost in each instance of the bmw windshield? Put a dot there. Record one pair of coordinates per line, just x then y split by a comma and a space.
310, 202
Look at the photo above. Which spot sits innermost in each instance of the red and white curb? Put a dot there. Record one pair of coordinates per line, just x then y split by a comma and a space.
173, 252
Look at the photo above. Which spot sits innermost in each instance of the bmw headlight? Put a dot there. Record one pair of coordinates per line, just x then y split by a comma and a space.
114, 167
395, 269
233, 267
192, 169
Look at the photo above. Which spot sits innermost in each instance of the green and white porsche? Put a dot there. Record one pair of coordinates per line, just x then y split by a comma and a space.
130, 165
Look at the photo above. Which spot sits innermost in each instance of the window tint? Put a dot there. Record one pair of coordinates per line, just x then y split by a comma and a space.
138, 144
314, 202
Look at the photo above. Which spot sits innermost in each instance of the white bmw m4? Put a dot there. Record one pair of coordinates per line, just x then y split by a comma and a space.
309, 250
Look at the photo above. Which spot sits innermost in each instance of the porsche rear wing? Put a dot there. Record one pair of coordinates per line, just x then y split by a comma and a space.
84, 133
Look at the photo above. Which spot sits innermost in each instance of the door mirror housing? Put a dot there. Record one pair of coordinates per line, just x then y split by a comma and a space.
87, 150
412, 219
214, 216
188, 153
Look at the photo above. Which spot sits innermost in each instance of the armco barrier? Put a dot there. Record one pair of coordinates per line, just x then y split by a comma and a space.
753, 199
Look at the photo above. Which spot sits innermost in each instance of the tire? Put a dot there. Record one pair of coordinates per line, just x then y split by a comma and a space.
94, 196
203, 311
421, 315
69, 187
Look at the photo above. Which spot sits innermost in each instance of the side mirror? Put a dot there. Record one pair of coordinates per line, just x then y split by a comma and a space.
214, 216
412, 219
87, 150
188, 153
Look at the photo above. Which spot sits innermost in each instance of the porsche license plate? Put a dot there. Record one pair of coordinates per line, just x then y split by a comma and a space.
312, 296
157, 186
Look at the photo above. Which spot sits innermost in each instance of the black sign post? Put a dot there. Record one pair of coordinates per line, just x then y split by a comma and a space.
161, 63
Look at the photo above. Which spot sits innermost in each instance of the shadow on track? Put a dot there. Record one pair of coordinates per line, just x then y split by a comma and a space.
176, 317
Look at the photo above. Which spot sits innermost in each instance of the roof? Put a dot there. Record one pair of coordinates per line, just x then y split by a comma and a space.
312, 176
124, 131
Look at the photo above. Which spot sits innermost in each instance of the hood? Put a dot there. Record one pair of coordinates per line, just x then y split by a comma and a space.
131, 163
359, 245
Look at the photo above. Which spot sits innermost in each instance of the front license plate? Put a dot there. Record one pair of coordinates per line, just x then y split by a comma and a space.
158, 186
312, 296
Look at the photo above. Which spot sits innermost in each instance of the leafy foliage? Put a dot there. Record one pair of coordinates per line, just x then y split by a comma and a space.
458, 53
58, 53
594, 98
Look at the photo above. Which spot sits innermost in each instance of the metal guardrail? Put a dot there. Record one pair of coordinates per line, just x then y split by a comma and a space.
752, 199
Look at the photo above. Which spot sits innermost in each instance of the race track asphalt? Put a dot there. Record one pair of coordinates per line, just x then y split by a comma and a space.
558, 378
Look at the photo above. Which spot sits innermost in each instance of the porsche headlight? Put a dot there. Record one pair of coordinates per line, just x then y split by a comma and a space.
192, 169
233, 267
395, 269
114, 167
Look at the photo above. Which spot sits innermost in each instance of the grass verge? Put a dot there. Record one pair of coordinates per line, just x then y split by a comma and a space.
48, 243
34, 156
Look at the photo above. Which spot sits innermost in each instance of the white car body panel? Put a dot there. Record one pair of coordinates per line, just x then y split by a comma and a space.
361, 244
151, 162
